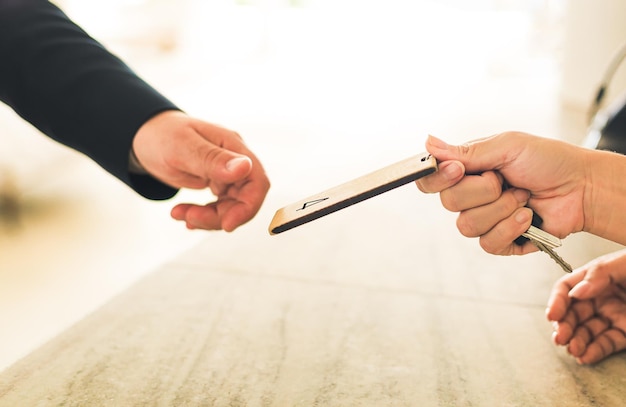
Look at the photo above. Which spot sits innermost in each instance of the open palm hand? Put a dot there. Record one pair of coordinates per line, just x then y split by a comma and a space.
588, 309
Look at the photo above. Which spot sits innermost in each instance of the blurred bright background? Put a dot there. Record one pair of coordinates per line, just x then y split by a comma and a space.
322, 90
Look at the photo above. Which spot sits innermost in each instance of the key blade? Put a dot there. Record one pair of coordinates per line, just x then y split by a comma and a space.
558, 259
535, 234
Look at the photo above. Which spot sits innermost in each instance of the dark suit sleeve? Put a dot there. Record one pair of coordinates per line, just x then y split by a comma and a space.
72, 89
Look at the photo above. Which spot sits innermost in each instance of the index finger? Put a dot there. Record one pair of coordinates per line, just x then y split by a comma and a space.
449, 173
559, 300
237, 206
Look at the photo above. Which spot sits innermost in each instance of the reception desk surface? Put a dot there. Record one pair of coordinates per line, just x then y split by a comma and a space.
381, 304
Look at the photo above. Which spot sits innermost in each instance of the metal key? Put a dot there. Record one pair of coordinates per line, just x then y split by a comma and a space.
545, 242
536, 234
559, 260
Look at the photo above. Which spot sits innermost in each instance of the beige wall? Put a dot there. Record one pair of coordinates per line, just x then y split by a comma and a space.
594, 30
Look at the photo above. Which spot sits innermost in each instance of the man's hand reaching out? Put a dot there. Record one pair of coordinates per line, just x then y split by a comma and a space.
184, 152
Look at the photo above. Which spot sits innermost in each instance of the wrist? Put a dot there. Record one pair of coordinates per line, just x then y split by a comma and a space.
134, 166
605, 195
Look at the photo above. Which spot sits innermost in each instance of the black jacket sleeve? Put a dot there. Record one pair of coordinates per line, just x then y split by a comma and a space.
67, 85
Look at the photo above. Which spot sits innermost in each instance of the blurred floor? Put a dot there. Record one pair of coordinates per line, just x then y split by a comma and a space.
73, 238
320, 94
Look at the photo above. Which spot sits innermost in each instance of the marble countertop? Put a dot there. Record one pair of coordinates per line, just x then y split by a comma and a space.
374, 305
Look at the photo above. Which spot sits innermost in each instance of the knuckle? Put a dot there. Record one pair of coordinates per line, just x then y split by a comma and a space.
449, 201
429, 185
493, 187
420, 185
465, 149
508, 204
173, 162
495, 242
486, 245
607, 344
238, 137
211, 159
466, 227
209, 155
602, 268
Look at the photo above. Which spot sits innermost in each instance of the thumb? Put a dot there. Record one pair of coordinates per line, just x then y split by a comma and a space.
602, 273
490, 153
591, 286
219, 164
238, 167
229, 167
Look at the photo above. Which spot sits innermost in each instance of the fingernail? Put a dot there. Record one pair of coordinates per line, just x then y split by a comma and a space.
435, 142
235, 162
452, 171
554, 339
523, 216
521, 195
580, 289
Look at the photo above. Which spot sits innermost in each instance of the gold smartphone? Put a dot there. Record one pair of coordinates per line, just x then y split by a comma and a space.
352, 192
